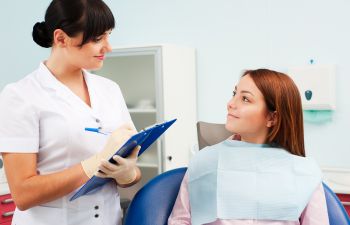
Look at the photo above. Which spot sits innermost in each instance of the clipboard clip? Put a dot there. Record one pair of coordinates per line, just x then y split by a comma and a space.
153, 125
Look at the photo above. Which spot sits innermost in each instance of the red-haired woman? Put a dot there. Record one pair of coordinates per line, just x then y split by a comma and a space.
260, 175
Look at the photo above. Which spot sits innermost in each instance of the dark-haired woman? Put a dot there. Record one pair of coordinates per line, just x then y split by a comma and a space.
46, 151
260, 175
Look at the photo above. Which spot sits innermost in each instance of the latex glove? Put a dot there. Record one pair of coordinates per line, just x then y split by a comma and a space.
125, 172
114, 142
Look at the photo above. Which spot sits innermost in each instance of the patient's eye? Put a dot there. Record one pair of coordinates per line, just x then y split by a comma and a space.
245, 99
234, 93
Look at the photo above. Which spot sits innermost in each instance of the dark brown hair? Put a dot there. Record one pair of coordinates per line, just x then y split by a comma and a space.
91, 17
282, 96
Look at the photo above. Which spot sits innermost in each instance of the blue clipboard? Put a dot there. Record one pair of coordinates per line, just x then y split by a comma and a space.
144, 138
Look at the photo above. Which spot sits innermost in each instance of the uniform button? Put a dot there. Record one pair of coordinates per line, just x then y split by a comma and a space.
96, 207
96, 215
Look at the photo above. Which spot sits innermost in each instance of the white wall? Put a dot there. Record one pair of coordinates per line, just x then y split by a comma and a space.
230, 36
19, 54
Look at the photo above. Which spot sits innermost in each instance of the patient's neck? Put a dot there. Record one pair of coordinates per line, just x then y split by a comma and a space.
261, 139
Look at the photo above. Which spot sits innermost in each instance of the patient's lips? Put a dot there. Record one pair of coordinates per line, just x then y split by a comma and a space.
231, 115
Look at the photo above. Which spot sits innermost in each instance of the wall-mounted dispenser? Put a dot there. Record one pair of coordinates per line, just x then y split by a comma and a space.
316, 84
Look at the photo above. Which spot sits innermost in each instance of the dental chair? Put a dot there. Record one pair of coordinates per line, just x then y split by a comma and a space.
154, 202
336, 211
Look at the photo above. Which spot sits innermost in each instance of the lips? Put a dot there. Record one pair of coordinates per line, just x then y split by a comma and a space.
232, 116
100, 57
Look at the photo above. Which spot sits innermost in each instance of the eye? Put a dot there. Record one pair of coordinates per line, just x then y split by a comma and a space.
234, 93
97, 39
245, 99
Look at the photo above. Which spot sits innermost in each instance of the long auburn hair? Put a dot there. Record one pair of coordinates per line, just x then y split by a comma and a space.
282, 96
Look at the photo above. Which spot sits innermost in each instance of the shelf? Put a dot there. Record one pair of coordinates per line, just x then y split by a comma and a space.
139, 110
147, 165
338, 179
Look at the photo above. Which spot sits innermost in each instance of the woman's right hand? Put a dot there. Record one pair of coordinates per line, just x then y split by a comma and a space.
114, 142
117, 139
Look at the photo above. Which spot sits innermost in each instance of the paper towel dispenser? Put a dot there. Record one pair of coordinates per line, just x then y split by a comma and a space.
316, 84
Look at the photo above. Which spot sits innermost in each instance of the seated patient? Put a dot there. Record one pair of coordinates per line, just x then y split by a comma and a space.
260, 175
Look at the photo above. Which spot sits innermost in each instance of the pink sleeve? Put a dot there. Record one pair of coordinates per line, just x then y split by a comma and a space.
316, 212
181, 214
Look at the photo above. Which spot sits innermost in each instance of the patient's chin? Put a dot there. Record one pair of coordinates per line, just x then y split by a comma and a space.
229, 127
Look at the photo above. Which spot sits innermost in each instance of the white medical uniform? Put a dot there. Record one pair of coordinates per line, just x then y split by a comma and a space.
39, 114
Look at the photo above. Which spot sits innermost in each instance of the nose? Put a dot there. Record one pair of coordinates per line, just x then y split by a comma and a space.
107, 47
231, 103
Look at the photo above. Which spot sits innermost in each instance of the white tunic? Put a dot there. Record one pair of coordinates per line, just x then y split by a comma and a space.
39, 114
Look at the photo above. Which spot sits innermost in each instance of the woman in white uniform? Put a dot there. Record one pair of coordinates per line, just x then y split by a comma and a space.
47, 153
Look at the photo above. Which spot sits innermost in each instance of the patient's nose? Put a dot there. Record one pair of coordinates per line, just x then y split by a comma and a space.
231, 104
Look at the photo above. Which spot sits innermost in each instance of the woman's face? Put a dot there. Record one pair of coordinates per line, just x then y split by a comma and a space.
91, 55
247, 113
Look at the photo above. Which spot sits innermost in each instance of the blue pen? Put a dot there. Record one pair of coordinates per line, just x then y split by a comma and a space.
97, 130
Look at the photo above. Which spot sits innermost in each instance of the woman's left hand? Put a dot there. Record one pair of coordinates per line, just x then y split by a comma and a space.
125, 172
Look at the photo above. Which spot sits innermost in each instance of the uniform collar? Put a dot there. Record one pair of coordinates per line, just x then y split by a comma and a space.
47, 79
50, 82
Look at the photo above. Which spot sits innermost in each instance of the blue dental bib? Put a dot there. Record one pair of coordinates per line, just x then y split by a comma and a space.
239, 180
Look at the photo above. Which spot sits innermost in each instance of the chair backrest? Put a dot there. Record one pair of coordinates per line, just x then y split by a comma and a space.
336, 212
211, 133
154, 202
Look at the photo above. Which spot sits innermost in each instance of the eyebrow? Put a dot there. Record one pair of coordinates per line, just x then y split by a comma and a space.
244, 91
247, 92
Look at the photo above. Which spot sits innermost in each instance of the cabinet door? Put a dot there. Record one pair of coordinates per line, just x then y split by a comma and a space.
179, 100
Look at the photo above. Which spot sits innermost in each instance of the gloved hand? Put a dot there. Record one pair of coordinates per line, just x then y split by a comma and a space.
125, 172
114, 142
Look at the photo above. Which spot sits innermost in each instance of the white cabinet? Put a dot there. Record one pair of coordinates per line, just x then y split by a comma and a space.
158, 83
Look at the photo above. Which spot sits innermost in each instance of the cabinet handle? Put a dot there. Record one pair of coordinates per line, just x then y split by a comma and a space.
7, 201
170, 158
345, 203
7, 214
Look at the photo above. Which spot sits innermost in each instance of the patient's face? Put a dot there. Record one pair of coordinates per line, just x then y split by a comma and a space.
247, 112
